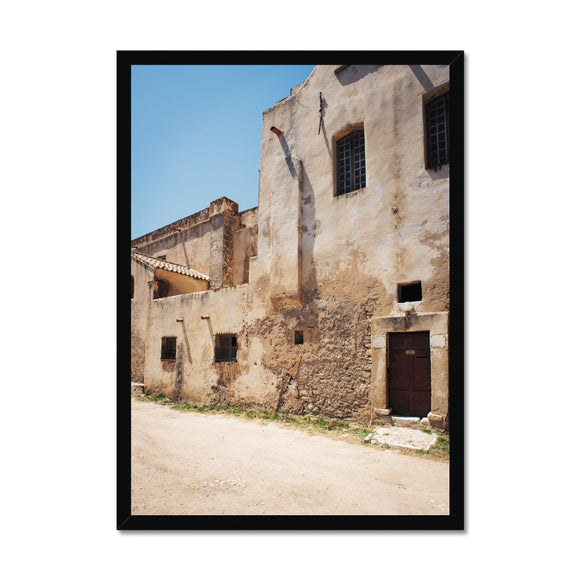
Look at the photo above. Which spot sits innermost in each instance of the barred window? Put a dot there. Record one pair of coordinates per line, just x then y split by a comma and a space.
168, 347
226, 347
437, 131
351, 163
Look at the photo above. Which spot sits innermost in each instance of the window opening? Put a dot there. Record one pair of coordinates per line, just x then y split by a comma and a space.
160, 288
132, 287
409, 292
226, 347
351, 162
437, 131
298, 337
168, 347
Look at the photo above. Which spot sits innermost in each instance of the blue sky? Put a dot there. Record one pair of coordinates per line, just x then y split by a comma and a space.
196, 136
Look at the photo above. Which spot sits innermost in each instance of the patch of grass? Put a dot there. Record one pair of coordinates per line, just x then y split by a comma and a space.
334, 428
442, 444
158, 398
185, 406
361, 432
331, 427
439, 450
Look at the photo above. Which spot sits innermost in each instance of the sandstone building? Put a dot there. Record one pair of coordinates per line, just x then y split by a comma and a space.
332, 296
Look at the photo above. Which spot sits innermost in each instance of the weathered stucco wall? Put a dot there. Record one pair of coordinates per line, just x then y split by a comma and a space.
186, 242
352, 250
139, 320
309, 260
245, 241
194, 375
198, 242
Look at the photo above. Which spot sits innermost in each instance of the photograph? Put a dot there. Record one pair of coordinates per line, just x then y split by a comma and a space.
292, 239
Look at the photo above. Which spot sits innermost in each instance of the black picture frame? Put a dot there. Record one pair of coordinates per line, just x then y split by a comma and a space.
456, 519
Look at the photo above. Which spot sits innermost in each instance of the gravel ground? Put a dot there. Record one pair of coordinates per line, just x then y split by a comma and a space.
189, 463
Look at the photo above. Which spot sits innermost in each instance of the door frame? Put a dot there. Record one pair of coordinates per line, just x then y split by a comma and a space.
437, 325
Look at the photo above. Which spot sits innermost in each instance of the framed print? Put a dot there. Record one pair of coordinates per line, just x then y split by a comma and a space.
290, 274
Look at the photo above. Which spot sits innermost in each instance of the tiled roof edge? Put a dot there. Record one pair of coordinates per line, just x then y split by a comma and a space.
169, 266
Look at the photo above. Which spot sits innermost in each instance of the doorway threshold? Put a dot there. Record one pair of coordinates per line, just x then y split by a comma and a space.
385, 416
404, 421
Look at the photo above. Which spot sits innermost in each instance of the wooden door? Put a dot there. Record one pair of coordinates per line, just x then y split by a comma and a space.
409, 374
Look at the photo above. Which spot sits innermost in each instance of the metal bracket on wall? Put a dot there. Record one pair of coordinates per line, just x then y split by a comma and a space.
320, 113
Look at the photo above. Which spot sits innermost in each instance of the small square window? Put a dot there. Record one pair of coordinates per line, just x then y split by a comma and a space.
168, 347
409, 292
226, 347
298, 337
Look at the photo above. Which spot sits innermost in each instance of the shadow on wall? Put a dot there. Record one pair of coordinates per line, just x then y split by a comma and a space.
178, 384
186, 342
308, 238
421, 76
355, 72
287, 152
439, 173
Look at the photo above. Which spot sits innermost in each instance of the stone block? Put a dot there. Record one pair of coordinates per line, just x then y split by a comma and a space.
436, 421
138, 388
412, 422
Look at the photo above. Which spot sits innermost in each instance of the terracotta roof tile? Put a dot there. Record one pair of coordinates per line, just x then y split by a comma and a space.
169, 266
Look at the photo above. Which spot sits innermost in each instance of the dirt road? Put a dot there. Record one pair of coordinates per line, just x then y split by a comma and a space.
194, 464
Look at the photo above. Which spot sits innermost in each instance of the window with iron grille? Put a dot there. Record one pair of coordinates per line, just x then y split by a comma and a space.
437, 131
168, 347
351, 168
226, 347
